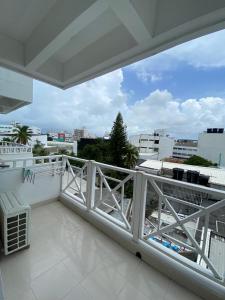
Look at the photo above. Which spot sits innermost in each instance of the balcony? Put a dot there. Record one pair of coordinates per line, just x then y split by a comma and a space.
10, 151
79, 244
12, 148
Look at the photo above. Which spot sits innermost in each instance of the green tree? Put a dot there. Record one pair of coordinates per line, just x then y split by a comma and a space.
22, 134
63, 151
199, 161
98, 151
131, 156
39, 150
7, 139
118, 142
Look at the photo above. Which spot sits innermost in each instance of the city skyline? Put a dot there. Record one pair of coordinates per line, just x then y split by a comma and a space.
169, 90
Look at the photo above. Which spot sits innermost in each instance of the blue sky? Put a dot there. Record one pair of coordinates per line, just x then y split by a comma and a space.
181, 89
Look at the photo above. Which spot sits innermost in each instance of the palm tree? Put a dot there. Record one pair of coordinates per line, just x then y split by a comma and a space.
22, 134
131, 156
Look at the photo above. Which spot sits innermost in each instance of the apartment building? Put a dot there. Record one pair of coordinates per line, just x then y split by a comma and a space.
211, 145
184, 148
157, 145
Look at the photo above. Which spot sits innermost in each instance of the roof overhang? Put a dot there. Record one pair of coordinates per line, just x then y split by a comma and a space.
68, 42
16, 90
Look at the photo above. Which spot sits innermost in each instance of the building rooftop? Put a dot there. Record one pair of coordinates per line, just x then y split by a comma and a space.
217, 176
70, 259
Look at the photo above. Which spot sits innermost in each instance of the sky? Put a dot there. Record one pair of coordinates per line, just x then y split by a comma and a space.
181, 90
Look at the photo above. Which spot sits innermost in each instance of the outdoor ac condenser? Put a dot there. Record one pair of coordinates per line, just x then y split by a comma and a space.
14, 222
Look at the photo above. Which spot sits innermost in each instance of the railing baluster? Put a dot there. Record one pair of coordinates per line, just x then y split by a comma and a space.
139, 202
91, 175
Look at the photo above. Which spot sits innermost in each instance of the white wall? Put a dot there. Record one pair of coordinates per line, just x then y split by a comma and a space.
44, 188
134, 140
166, 145
42, 138
212, 147
12, 156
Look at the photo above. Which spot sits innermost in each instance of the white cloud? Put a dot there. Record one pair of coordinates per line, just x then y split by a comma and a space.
188, 117
203, 52
95, 104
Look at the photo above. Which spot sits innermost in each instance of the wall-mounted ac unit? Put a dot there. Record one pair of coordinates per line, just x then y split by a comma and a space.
14, 222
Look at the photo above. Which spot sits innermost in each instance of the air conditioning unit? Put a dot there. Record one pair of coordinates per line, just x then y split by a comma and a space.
14, 222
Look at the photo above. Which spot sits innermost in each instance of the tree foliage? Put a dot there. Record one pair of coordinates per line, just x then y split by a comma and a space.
39, 150
98, 151
116, 151
118, 142
199, 161
131, 156
22, 134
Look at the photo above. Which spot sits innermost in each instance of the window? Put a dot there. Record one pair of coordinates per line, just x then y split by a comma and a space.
156, 142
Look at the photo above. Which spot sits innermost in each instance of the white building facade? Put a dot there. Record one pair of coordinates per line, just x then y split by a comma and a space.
211, 145
157, 145
184, 149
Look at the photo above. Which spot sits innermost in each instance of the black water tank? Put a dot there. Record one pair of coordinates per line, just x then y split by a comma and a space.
221, 130
214, 130
178, 173
192, 176
203, 180
209, 130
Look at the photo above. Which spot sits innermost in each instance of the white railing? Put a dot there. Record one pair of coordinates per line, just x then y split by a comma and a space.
180, 213
14, 148
26, 162
173, 217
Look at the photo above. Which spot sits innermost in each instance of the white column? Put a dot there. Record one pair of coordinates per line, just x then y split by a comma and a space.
91, 176
63, 164
139, 202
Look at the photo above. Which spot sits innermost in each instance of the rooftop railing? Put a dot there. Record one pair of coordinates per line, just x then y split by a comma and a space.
14, 148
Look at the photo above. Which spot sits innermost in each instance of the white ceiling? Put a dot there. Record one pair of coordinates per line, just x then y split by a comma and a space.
66, 42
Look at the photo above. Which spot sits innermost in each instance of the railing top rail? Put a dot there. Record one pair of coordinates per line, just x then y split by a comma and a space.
33, 158
111, 167
185, 184
75, 158
13, 144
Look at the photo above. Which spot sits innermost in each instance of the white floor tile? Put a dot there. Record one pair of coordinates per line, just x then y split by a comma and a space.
104, 284
78, 293
54, 284
177, 292
69, 259
130, 293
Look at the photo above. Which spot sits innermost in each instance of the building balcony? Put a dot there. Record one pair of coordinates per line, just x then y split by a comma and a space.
10, 152
95, 234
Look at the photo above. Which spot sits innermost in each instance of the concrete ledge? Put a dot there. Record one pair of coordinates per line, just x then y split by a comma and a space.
184, 276
44, 202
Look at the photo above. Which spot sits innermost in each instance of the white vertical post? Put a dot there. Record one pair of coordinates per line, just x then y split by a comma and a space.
91, 176
24, 163
63, 162
139, 201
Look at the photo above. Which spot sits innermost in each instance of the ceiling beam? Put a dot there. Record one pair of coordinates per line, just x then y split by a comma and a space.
11, 51
130, 19
66, 19
100, 27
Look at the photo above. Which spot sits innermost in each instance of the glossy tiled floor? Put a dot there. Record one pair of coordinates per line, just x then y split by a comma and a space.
69, 259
